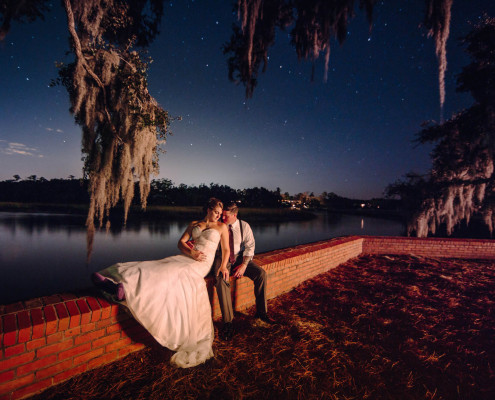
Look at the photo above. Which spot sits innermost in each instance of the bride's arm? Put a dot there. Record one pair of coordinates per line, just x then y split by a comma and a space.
224, 242
186, 249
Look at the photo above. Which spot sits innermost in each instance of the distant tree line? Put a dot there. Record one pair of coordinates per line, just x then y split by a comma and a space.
41, 190
164, 192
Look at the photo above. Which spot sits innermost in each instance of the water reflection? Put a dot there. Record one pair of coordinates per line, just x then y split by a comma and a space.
41, 254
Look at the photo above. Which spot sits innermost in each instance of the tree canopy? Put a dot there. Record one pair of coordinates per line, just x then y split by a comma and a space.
461, 182
315, 23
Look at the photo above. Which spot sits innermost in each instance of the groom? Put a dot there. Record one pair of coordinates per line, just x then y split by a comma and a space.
241, 241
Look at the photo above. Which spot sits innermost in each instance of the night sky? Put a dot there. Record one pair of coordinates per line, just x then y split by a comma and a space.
352, 135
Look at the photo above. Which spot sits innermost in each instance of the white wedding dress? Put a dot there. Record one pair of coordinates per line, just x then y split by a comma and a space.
169, 298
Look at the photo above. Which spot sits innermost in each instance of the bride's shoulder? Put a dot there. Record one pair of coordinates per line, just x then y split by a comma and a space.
221, 226
195, 224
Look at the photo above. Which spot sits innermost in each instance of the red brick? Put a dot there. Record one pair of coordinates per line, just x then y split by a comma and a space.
74, 315
35, 344
16, 361
118, 344
6, 376
36, 365
104, 322
9, 328
13, 308
25, 326
68, 296
51, 320
51, 299
54, 348
106, 340
55, 338
33, 303
95, 309
31, 389
8, 387
63, 316
14, 350
88, 327
72, 332
88, 337
38, 323
53, 369
131, 349
105, 308
85, 311
104, 359
74, 351
122, 325
115, 310
69, 373
84, 358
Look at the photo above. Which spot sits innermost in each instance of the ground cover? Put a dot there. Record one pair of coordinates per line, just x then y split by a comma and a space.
376, 327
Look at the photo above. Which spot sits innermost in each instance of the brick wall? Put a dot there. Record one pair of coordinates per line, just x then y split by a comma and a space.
431, 247
47, 340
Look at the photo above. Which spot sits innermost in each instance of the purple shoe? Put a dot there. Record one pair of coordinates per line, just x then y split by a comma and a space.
108, 286
97, 278
120, 292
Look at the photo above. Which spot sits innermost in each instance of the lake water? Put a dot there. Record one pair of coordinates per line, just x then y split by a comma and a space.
43, 254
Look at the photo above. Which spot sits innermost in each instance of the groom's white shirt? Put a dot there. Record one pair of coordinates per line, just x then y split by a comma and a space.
248, 239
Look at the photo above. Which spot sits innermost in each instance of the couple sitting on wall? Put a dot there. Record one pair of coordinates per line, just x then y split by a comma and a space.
169, 296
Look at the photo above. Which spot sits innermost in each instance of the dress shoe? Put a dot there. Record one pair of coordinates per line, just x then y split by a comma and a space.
120, 294
108, 286
97, 278
228, 331
265, 318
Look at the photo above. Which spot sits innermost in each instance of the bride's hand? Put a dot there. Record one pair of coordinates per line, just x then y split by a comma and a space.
198, 255
225, 273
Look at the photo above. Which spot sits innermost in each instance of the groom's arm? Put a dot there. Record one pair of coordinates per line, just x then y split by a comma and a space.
248, 242
247, 255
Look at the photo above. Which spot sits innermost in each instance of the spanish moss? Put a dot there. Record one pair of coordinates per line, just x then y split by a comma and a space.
122, 123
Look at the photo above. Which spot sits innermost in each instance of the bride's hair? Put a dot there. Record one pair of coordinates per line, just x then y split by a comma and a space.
212, 204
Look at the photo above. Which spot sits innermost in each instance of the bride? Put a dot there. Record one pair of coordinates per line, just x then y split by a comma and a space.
169, 296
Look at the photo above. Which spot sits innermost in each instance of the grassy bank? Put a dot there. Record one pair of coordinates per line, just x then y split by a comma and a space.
162, 212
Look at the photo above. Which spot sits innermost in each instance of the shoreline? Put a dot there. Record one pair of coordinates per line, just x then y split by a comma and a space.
195, 212
160, 212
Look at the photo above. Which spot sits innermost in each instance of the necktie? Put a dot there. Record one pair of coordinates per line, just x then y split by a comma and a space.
231, 245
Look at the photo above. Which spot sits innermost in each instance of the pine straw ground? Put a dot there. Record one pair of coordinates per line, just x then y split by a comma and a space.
379, 327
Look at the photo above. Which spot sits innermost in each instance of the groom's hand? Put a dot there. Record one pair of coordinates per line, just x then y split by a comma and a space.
225, 273
239, 271
198, 255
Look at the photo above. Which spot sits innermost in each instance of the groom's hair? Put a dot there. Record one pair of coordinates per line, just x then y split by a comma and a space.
232, 207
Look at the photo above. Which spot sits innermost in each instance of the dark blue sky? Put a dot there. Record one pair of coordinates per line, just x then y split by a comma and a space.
352, 135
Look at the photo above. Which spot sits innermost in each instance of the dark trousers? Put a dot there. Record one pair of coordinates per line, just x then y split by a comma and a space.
253, 272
